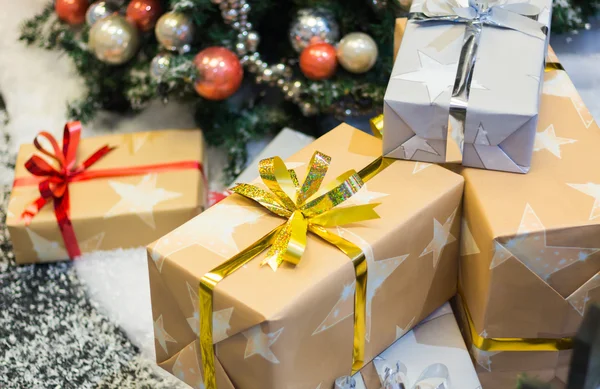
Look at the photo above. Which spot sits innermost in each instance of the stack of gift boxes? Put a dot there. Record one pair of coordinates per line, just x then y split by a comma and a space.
332, 273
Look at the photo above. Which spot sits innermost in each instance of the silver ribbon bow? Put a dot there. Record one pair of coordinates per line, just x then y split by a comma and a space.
435, 376
516, 15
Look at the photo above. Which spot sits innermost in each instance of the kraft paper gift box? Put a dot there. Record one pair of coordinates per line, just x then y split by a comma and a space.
294, 328
530, 249
458, 96
113, 212
432, 353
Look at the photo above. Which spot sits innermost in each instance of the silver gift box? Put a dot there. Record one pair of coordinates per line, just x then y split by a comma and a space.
466, 84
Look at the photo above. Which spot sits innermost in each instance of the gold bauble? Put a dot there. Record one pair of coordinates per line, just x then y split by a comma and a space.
357, 52
114, 40
175, 31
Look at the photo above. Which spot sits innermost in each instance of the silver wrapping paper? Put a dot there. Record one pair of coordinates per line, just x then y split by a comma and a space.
502, 109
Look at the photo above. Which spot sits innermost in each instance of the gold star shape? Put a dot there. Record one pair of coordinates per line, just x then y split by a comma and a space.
548, 140
140, 198
441, 238
220, 320
590, 190
260, 343
161, 335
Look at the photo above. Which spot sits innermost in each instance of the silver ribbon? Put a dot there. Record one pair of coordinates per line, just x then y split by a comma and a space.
520, 16
435, 376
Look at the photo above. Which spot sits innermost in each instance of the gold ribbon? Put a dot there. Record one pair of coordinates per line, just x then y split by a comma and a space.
512, 344
377, 126
307, 207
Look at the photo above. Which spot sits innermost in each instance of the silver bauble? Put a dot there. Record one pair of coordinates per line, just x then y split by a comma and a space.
313, 23
114, 40
160, 65
357, 52
175, 31
99, 10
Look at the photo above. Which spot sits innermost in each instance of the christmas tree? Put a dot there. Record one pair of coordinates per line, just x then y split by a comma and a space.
131, 52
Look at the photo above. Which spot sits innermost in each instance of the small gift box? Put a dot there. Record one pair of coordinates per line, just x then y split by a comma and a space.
466, 83
432, 355
360, 259
530, 260
102, 193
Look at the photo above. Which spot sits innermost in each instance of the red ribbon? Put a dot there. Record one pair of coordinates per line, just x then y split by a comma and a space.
53, 183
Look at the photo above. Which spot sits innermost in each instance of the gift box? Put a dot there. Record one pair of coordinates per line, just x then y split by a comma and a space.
298, 327
286, 143
466, 83
102, 193
530, 249
433, 353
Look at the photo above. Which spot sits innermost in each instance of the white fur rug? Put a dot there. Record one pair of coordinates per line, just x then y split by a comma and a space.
36, 86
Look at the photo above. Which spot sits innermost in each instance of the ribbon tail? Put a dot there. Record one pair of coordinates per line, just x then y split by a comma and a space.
262, 197
62, 211
346, 215
504, 18
289, 244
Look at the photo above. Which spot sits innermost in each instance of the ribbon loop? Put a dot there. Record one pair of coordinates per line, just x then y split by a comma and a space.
304, 205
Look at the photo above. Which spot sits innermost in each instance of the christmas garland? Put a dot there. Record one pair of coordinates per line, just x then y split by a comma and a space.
168, 56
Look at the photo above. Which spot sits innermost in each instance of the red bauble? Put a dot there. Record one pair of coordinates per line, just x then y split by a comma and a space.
71, 11
220, 73
318, 61
144, 13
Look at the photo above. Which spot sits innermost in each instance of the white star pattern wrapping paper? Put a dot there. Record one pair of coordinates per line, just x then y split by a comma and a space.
294, 328
436, 340
117, 211
498, 128
530, 252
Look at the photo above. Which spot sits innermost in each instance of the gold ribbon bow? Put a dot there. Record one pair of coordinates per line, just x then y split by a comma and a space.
307, 207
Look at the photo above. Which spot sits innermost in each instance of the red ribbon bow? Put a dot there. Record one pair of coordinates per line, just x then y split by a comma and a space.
54, 182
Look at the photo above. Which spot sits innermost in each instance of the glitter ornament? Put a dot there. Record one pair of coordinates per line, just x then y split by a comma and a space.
160, 64
175, 31
114, 40
313, 23
144, 13
99, 10
220, 73
71, 11
318, 61
357, 52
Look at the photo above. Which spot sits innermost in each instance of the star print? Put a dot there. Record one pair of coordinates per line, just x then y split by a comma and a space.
559, 84
48, 250
342, 309
468, 246
441, 238
501, 254
590, 190
212, 230
378, 271
161, 335
414, 144
481, 138
140, 199
364, 196
531, 248
187, 368
401, 331
419, 166
221, 318
137, 140
580, 297
437, 77
548, 140
483, 358
260, 343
